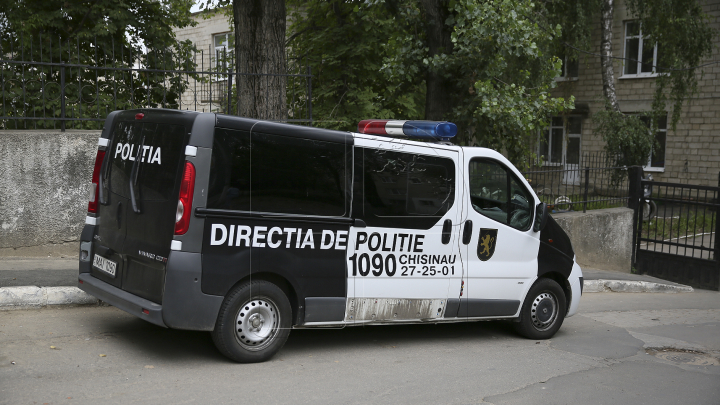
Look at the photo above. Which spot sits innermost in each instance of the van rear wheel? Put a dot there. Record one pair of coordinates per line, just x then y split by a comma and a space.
253, 323
543, 311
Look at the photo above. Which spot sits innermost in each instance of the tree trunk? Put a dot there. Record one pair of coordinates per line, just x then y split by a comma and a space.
606, 61
438, 104
259, 54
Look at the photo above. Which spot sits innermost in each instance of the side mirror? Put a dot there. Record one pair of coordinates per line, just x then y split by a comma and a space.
541, 216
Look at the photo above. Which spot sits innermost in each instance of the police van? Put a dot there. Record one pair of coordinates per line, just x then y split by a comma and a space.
249, 228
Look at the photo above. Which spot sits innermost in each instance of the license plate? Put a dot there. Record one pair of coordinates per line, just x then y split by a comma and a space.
103, 264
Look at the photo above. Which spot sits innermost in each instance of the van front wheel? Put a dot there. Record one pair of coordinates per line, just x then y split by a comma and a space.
253, 323
543, 311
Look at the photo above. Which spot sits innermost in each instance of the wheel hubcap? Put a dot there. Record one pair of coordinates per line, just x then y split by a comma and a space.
257, 323
544, 311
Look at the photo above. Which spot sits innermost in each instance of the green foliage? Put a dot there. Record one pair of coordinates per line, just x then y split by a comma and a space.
344, 43
578, 19
684, 37
99, 33
126, 21
370, 59
502, 65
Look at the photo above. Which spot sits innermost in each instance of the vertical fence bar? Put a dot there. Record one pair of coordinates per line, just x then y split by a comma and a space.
704, 226
132, 77
2, 90
716, 254
210, 82
587, 180
229, 92
635, 195
62, 97
202, 69
97, 83
309, 69
147, 78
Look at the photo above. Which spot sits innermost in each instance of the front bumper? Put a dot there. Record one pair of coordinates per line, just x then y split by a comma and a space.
576, 285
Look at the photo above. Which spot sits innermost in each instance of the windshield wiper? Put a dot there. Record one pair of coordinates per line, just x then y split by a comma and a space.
133, 181
101, 180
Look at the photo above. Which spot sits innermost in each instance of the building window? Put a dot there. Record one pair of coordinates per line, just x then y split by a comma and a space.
640, 57
560, 143
569, 69
224, 48
656, 160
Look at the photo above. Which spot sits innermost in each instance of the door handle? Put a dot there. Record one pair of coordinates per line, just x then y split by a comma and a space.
467, 232
447, 227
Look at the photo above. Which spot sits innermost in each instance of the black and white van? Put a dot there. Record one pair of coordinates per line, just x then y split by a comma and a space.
249, 228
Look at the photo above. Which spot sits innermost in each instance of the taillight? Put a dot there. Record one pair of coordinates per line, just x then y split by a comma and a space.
182, 216
93, 204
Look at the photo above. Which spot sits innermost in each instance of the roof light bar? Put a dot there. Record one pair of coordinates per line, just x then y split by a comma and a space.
433, 130
372, 127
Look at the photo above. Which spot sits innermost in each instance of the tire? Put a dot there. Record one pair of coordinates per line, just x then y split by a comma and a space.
543, 311
254, 322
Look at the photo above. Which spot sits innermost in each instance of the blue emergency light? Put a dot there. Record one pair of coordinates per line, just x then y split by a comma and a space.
434, 130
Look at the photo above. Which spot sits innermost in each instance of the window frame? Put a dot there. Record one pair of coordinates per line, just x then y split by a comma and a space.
216, 63
638, 57
565, 138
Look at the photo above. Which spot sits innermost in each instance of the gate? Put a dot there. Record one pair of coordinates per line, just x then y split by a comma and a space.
680, 242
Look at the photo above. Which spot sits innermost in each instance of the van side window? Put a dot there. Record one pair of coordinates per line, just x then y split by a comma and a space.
278, 174
402, 190
496, 193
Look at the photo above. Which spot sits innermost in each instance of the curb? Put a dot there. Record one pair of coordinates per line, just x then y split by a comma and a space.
38, 297
624, 286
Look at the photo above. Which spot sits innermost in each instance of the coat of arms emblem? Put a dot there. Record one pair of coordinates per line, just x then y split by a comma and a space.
486, 243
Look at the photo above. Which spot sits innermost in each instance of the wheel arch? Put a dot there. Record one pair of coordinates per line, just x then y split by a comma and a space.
282, 283
563, 282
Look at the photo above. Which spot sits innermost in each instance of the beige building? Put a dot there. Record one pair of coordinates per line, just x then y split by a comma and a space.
690, 154
213, 37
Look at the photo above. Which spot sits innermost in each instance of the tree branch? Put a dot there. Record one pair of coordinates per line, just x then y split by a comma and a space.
84, 18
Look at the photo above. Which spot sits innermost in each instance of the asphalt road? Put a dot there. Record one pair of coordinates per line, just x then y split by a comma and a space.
600, 356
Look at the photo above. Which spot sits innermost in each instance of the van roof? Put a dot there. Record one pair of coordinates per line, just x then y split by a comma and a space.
279, 128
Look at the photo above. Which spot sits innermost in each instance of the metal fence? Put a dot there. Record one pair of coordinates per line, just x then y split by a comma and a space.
54, 82
684, 222
679, 241
588, 184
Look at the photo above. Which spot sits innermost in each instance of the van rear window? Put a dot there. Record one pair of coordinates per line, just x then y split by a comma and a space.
278, 174
156, 149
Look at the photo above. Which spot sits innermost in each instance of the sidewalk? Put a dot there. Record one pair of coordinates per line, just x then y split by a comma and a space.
613, 281
37, 282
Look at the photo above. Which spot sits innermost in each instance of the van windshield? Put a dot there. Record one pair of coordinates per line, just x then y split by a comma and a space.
156, 150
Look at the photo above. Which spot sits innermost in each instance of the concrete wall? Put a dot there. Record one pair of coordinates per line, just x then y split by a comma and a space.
44, 188
602, 239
